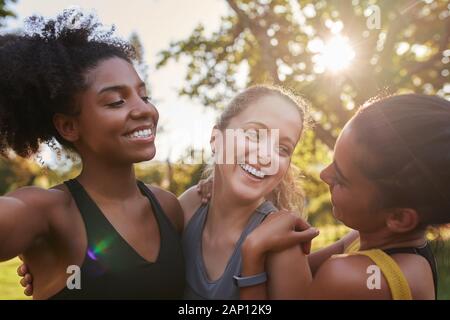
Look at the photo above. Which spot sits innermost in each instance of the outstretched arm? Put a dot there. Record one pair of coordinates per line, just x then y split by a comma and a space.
24, 217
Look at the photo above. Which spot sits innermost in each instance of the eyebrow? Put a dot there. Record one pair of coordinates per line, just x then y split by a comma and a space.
336, 167
119, 88
257, 123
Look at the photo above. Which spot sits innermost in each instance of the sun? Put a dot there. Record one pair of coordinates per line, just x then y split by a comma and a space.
335, 55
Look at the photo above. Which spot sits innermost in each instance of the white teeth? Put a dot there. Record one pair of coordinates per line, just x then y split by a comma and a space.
140, 134
252, 170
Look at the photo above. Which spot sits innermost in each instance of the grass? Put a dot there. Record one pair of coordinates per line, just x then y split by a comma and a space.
443, 262
10, 289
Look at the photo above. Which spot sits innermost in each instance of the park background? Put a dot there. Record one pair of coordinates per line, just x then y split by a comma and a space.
196, 54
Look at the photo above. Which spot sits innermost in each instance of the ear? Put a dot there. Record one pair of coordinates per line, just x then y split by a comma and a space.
67, 126
215, 133
402, 220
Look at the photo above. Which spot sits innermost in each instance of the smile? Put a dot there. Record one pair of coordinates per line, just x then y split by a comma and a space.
252, 170
144, 134
140, 134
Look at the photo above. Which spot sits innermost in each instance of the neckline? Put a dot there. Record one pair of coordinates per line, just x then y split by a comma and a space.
199, 247
119, 236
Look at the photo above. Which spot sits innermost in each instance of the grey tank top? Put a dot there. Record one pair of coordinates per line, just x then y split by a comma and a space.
198, 284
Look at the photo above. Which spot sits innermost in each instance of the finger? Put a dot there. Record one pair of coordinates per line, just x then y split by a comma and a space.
301, 224
23, 282
306, 247
28, 290
305, 236
298, 238
22, 270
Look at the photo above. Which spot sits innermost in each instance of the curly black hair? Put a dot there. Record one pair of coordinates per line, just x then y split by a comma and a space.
43, 69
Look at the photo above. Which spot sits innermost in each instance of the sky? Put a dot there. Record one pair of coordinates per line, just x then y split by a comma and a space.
157, 23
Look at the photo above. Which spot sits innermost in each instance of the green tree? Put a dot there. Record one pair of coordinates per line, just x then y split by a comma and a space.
5, 12
398, 46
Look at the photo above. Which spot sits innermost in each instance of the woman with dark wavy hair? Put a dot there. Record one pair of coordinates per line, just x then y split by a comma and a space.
389, 180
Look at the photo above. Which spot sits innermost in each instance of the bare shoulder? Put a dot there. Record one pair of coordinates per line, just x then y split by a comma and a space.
348, 277
417, 272
43, 200
170, 205
190, 201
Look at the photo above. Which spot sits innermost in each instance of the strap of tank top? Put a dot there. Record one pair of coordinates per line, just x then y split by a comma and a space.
158, 210
394, 276
424, 251
92, 216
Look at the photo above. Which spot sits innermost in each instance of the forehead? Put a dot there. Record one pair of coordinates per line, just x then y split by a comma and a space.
348, 152
275, 113
112, 71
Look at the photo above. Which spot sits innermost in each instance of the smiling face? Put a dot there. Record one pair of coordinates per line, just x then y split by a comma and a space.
354, 196
117, 123
252, 180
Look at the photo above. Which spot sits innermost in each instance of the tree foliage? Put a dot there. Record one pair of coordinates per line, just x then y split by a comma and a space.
279, 41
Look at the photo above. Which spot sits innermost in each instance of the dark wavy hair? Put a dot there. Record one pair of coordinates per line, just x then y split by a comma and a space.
43, 70
406, 143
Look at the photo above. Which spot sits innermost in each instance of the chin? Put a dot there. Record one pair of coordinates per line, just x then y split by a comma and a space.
144, 155
247, 193
336, 214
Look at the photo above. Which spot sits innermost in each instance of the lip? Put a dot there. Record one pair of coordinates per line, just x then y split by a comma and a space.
143, 140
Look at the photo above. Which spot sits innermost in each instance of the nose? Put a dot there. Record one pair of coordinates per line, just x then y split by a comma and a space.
142, 109
325, 175
264, 156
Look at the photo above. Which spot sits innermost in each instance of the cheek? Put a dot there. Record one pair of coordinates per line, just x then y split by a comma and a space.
100, 120
283, 167
343, 198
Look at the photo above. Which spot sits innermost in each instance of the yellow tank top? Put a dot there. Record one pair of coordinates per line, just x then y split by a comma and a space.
395, 278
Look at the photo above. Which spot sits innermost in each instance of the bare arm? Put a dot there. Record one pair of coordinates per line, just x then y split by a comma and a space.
24, 217
345, 278
274, 247
289, 274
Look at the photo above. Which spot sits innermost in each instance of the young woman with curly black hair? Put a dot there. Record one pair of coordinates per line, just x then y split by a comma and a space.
67, 79
70, 84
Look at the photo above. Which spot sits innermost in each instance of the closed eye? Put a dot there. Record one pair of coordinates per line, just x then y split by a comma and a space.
146, 99
116, 103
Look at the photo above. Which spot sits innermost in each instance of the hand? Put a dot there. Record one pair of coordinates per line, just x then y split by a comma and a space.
280, 231
27, 278
204, 189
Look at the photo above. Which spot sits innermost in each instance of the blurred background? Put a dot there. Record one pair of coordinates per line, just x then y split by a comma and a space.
196, 54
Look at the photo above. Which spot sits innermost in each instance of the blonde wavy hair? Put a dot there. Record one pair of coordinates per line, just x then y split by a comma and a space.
288, 195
